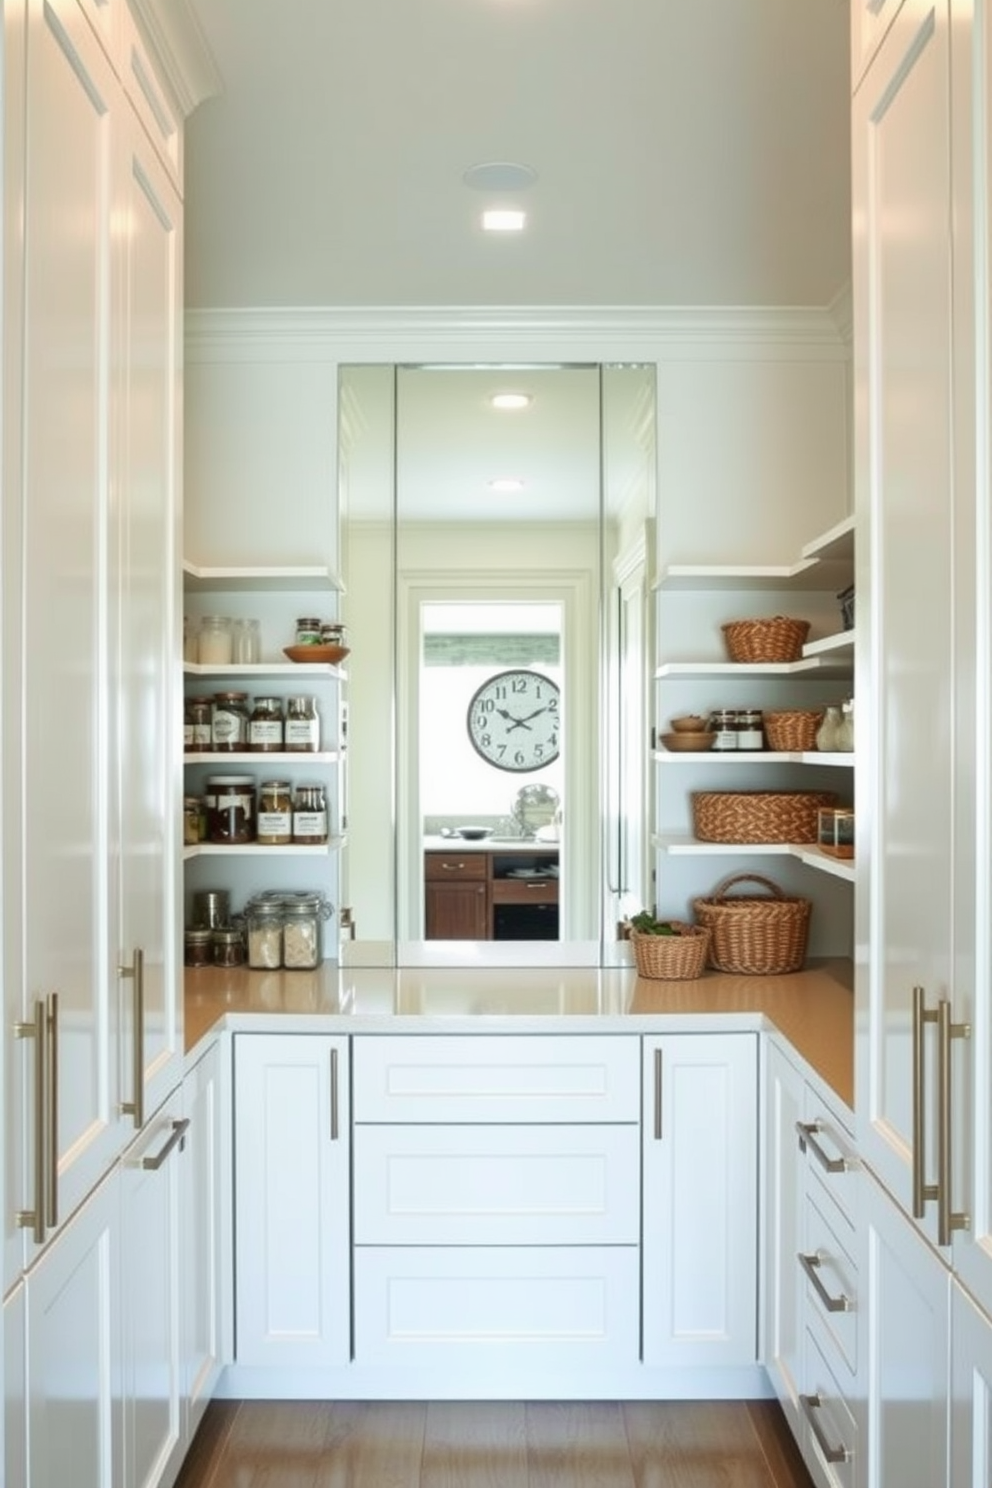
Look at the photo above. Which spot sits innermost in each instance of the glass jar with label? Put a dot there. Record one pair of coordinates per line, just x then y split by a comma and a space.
198, 949
215, 641
275, 813
308, 630
750, 734
263, 919
229, 722
230, 807
194, 827
332, 633
723, 726
198, 731
265, 726
310, 825
302, 727
302, 925
228, 946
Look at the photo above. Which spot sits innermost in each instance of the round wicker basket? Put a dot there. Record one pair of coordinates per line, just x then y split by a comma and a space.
754, 934
792, 729
771, 640
673, 958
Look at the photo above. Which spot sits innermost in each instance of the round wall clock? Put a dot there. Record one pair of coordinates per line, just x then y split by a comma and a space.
513, 721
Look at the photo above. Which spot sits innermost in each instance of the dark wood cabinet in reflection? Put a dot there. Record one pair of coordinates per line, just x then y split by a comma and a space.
488, 895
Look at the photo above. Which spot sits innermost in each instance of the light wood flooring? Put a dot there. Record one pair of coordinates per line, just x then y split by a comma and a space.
462, 1444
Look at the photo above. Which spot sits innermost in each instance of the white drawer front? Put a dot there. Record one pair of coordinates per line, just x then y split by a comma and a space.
559, 1308
831, 1157
497, 1078
830, 1433
836, 1274
497, 1185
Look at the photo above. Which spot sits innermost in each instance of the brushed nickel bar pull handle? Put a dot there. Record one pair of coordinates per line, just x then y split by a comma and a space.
811, 1265
810, 1405
174, 1139
52, 1022
136, 972
947, 1220
657, 1095
808, 1132
34, 1219
334, 1095
923, 1192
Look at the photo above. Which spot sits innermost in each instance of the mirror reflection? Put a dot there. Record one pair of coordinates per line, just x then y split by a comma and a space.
497, 553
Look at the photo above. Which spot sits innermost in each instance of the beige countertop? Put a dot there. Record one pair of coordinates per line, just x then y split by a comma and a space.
489, 844
813, 1009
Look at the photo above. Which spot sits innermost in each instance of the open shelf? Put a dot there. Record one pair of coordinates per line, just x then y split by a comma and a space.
729, 758
304, 577
806, 852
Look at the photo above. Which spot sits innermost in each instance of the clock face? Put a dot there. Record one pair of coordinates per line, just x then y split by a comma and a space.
513, 721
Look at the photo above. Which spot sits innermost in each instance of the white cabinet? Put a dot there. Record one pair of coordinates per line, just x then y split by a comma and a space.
916, 880
13, 1429
782, 1189
151, 1310
870, 20
971, 1392
700, 1173
292, 1176
206, 1296
75, 1368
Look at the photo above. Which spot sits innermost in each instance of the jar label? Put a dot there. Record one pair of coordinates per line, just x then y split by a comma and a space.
265, 733
228, 728
310, 826
202, 736
302, 733
275, 824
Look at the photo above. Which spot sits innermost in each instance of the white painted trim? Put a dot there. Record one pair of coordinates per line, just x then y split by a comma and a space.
173, 32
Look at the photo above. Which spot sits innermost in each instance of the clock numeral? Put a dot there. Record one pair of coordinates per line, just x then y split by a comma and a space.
519, 684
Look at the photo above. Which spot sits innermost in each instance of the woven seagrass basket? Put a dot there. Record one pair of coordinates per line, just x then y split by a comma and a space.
774, 639
792, 728
754, 934
673, 958
758, 816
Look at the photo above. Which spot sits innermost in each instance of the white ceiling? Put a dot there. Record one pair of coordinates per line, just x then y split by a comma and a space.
689, 152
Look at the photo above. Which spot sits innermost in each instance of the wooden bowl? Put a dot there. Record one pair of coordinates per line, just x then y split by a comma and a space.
322, 655
686, 742
691, 723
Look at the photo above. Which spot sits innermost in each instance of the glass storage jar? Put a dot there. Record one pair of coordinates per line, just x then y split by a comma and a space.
263, 919
308, 630
275, 813
302, 925
215, 641
310, 816
230, 806
198, 731
723, 726
228, 946
229, 722
198, 946
265, 727
302, 729
194, 826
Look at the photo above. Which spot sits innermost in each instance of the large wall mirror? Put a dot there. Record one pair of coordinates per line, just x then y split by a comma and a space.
497, 544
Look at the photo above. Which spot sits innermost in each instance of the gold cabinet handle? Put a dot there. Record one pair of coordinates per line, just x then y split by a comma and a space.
810, 1405
174, 1139
923, 1192
811, 1265
808, 1132
947, 1219
34, 1219
334, 1096
136, 973
52, 1023
657, 1095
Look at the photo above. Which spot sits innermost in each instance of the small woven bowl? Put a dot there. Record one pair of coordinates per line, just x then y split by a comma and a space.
685, 743
690, 723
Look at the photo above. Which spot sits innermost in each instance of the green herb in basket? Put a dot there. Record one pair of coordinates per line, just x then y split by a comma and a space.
646, 924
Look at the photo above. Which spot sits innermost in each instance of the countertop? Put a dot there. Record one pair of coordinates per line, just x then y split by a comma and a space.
813, 1008
489, 844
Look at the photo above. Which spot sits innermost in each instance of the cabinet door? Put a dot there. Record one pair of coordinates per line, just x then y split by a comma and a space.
907, 890
869, 21
13, 1423
456, 911
63, 734
781, 1206
971, 1392
292, 1221
145, 637
74, 1357
700, 1199
206, 1269
150, 1299
903, 1349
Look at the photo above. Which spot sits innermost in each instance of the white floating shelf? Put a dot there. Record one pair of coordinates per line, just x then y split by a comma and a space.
203, 577
260, 850
826, 665
841, 641
271, 669
727, 758
806, 852
836, 543
261, 757
824, 563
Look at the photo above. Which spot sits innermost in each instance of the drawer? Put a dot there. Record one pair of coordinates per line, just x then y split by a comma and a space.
831, 1280
520, 1079
829, 1430
456, 865
830, 1153
498, 1309
497, 1185
524, 891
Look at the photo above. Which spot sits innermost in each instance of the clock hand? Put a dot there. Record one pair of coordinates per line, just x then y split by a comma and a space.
514, 722
525, 722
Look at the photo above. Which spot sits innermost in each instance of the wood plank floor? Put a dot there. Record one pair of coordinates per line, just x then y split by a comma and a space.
461, 1444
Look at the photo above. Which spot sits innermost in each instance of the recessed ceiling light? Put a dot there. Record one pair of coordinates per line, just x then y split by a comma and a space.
510, 400
503, 219
506, 483
499, 176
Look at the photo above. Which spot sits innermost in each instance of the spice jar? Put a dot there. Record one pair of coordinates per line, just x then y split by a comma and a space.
302, 729
723, 725
211, 909
198, 728
198, 946
749, 730
310, 825
215, 642
332, 633
263, 918
301, 931
308, 631
230, 804
275, 813
265, 726
229, 722
228, 946
194, 826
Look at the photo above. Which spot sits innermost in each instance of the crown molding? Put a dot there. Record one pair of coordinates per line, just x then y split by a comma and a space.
181, 49
522, 333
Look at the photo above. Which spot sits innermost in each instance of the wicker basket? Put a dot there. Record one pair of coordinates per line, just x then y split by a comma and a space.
672, 958
792, 729
754, 934
758, 816
777, 639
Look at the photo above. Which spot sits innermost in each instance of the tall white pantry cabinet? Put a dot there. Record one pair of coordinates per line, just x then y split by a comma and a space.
93, 1032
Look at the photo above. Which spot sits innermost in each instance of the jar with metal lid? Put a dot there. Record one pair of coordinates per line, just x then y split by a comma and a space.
302, 729
228, 946
332, 633
229, 722
750, 734
308, 630
198, 946
723, 725
263, 919
302, 925
275, 813
198, 733
265, 726
230, 806
215, 641
310, 825
194, 826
